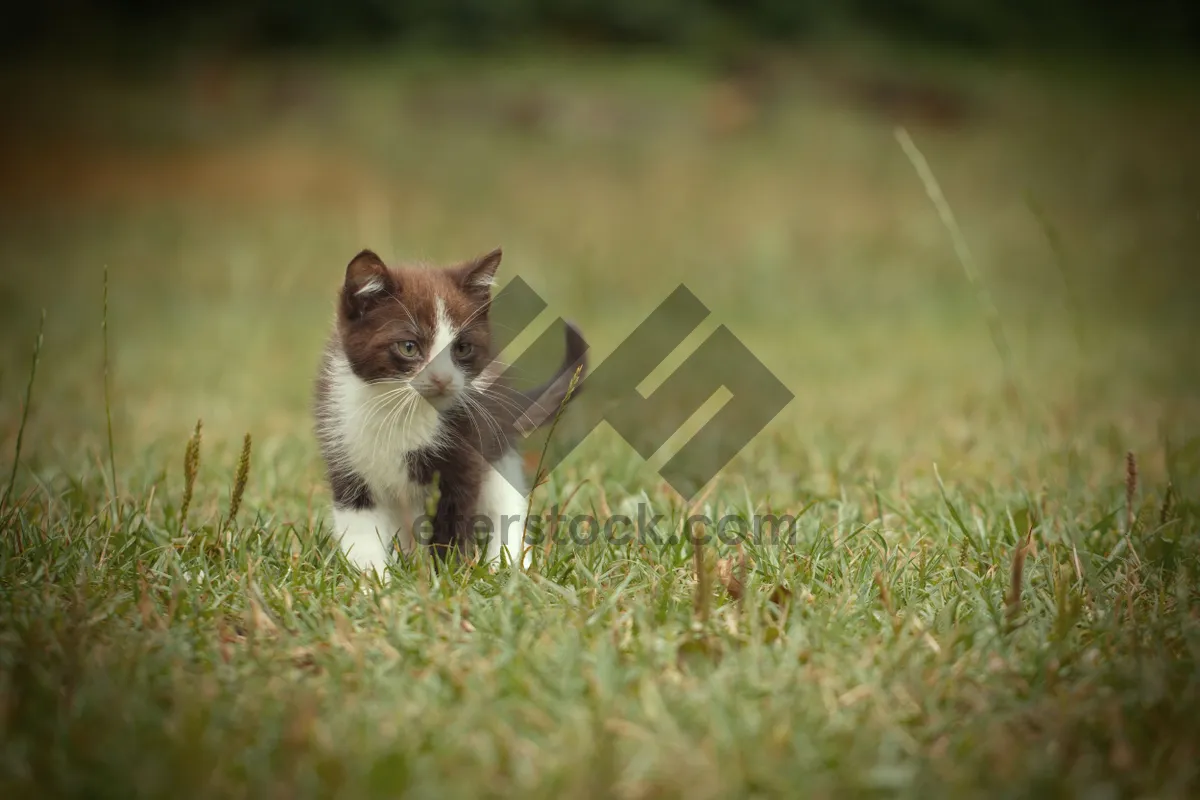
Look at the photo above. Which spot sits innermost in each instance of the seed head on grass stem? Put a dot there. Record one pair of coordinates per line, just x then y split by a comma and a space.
191, 465
1016, 579
1164, 513
1131, 487
239, 481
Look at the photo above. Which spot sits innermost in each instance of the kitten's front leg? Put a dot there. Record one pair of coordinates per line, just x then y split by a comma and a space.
365, 536
451, 530
504, 500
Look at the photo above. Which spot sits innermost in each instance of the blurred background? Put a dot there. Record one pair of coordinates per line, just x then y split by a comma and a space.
225, 160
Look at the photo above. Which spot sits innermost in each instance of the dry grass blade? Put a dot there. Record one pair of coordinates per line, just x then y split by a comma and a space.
885, 595
145, 603
732, 577
305, 658
259, 618
701, 600
1016, 580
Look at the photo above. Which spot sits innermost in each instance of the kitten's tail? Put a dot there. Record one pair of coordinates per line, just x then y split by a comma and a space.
543, 402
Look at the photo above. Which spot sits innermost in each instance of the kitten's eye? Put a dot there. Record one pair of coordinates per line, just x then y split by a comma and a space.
462, 349
408, 349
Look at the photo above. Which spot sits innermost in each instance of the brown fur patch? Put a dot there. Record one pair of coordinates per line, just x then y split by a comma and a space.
381, 307
460, 473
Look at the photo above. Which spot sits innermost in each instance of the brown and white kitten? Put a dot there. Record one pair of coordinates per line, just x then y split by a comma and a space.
408, 389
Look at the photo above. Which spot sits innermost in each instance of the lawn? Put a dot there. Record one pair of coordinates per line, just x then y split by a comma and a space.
993, 586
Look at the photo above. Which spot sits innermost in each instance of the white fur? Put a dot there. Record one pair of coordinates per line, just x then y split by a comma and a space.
366, 537
370, 287
443, 335
504, 499
439, 364
374, 426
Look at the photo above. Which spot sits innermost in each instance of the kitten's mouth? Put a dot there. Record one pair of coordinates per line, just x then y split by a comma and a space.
439, 399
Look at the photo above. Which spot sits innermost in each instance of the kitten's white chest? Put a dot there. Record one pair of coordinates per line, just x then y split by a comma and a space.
378, 426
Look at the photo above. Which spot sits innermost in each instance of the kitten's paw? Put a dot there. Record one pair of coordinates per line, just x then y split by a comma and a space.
373, 569
494, 565
365, 539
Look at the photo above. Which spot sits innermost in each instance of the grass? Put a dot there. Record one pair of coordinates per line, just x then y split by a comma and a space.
981, 596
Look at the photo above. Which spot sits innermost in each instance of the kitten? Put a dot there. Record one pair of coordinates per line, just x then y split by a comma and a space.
408, 389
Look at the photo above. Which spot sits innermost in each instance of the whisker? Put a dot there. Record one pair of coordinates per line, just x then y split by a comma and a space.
394, 416
467, 402
404, 308
485, 307
493, 428
512, 404
379, 404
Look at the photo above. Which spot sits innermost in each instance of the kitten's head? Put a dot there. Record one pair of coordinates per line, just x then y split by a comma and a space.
428, 327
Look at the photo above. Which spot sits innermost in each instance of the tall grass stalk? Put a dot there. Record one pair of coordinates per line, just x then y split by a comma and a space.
1074, 306
112, 459
37, 354
965, 258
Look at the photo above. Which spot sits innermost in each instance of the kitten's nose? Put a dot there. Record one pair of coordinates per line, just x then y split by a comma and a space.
439, 384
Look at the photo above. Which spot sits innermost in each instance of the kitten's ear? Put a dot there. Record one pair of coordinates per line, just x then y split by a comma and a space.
368, 281
477, 276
